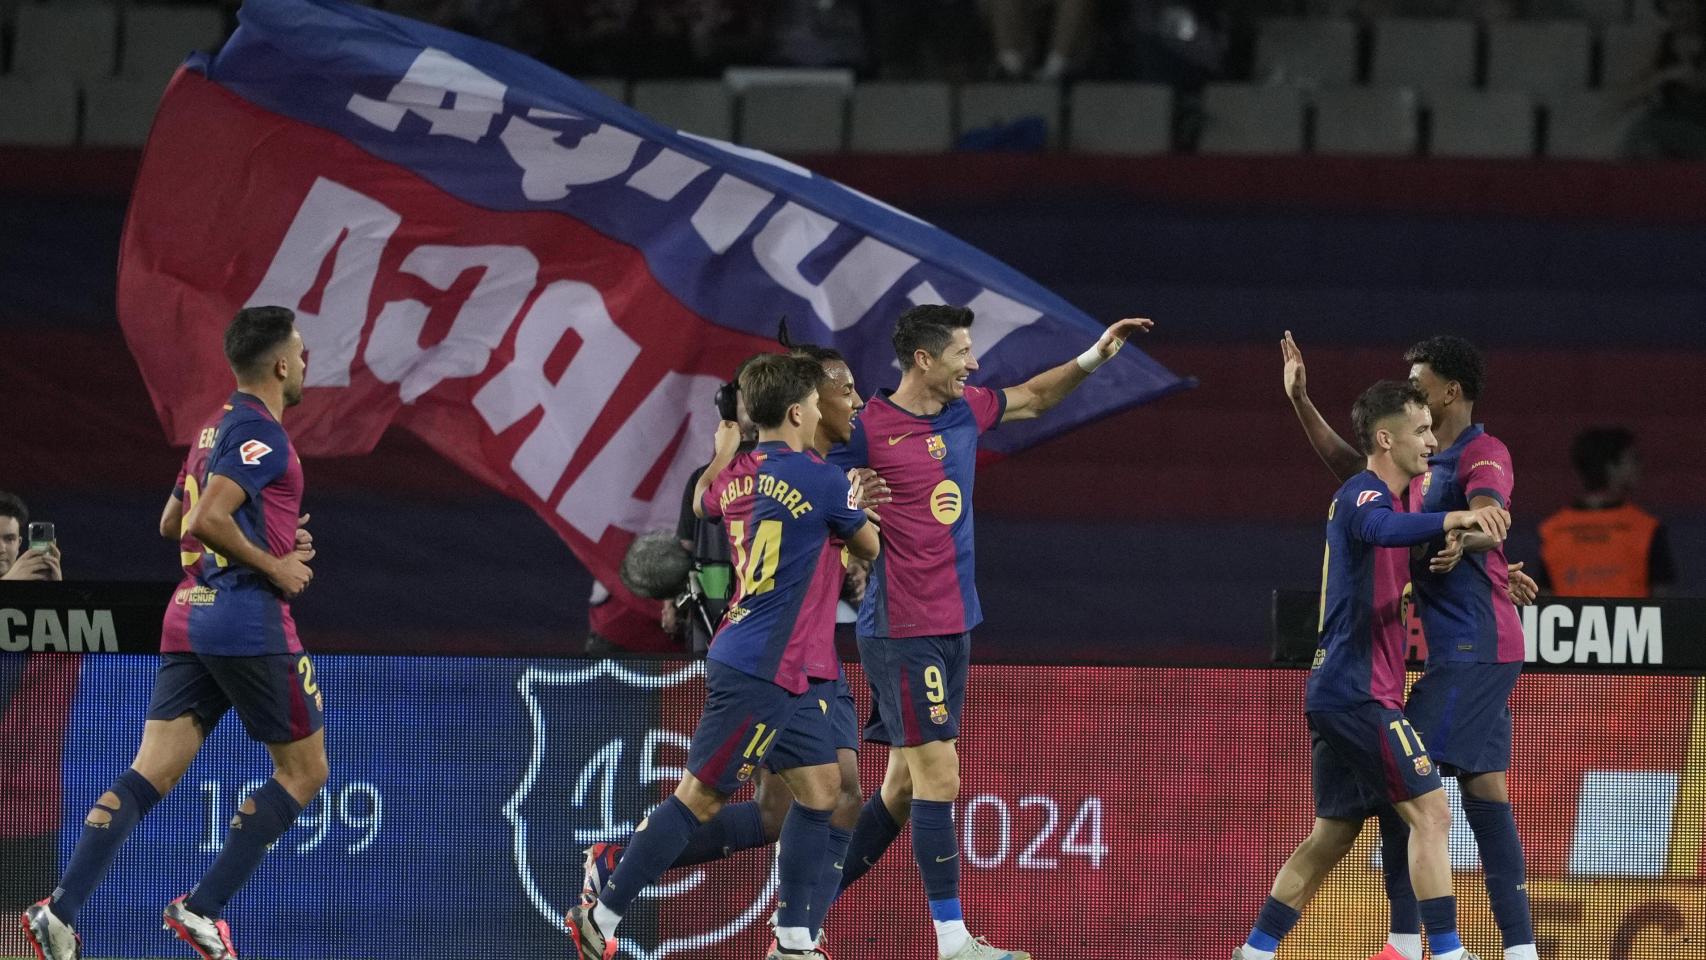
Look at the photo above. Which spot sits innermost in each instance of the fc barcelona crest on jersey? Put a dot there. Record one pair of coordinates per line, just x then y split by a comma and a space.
1423, 765
1427, 481
938, 449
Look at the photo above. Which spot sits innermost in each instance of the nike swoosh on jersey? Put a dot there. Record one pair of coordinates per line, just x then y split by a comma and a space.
895, 440
945, 859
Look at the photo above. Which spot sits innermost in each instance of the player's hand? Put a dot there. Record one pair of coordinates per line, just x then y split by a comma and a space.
667, 619
304, 539
1296, 385
728, 440
1495, 521
874, 490
1522, 587
866, 491
1115, 336
1446, 560
290, 575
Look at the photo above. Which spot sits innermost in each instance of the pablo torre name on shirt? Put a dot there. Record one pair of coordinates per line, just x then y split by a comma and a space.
791, 499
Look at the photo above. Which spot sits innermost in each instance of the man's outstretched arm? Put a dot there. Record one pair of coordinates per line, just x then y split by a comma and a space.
1030, 399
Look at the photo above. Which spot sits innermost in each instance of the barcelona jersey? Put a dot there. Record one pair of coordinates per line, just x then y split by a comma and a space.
1467, 613
925, 581
222, 607
1360, 656
781, 510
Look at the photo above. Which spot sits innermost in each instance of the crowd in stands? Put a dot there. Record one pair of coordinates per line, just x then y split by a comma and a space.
1181, 43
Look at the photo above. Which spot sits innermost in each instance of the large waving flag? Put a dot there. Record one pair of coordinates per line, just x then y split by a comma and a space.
544, 284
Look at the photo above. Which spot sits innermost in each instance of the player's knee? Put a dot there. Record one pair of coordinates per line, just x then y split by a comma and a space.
702, 800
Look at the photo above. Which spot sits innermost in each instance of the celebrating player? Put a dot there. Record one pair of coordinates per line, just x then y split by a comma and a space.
742, 826
771, 668
1365, 752
1465, 595
228, 641
921, 601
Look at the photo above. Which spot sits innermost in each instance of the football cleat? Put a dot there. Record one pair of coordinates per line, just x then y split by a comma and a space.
50, 937
1389, 952
207, 936
979, 948
590, 942
778, 953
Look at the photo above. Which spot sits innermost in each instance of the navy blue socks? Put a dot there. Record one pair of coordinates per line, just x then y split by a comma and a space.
245, 846
101, 839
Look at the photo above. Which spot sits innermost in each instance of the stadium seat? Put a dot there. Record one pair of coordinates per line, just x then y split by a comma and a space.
1122, 118
1306, 52
1540, 57
1589, 125
902, 118
1599, 12
783, 119
65, 40
38, 112
1424, 55
615, 88
1251, 120
1477, 123
995, 104
1378, 121
1627, 52
158, 38
704, 107
117, 112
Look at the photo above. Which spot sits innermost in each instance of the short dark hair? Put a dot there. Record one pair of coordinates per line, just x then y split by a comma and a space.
1453, 358
1594, 451
253, 334
1385, 399
929, 327
11, 505
772, 383
810, 351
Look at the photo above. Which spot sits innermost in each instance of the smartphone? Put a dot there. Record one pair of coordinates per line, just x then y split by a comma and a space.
41, 536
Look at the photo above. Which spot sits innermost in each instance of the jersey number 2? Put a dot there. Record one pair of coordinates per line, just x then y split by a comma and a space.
192, 493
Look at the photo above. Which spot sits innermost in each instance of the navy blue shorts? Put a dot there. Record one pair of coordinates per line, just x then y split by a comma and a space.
1463, 708
745, 718
1365, 758
276, 695
818, 730
918, 687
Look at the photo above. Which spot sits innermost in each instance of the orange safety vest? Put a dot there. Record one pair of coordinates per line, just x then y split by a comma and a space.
1598, 553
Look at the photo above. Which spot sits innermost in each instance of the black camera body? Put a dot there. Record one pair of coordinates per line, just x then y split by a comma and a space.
725, 400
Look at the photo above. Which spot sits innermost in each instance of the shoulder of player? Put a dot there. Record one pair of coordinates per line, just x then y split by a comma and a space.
1484, 447
1358, 484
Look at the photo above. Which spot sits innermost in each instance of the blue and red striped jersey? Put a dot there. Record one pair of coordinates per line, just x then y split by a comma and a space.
925, 581
1467, 612
222, 607
1360, 656
782, 510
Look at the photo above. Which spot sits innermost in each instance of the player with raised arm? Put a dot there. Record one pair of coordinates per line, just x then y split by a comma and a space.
228, 640
1364, 751
1466, 594
921, 601
772, 661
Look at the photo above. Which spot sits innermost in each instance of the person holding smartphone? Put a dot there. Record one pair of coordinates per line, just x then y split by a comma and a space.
35, 558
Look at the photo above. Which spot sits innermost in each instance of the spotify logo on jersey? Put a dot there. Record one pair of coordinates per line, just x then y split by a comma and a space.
945, 502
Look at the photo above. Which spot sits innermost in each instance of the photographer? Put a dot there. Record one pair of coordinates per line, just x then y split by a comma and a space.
695, 614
